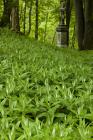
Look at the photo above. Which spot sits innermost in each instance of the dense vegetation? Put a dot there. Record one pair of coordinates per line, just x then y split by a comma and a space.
45, 92
20, 16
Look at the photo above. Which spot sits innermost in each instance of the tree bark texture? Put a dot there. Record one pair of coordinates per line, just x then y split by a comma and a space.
80, 22
15, 16
24, 17
30, 18
36, 24
84, 14
68, 16
88, 36
11, 15
5, 20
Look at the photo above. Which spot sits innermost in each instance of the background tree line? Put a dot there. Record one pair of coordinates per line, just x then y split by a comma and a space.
36, 18
39, 19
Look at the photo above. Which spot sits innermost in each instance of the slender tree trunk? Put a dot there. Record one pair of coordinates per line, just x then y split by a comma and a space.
80, 22
30, 14
24, 17
15, 16
36, 24
88, 37
68, 16
5, 20
45, 32
68, 12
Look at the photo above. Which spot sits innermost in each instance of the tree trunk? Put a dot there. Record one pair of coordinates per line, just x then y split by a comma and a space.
45, 32
68, 12
15, 16
80, 22
88, 37
36, 24
68, 15
24, 17
5, 20
30, 18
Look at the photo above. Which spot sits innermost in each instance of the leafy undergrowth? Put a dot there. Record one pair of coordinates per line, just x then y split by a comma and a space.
46, 93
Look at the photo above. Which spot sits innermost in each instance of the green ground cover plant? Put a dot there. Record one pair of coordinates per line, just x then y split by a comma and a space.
46, 93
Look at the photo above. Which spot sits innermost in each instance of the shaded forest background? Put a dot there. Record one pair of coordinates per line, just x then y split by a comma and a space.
37, 19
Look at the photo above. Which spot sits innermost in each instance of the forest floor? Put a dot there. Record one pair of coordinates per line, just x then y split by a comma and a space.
46, 93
